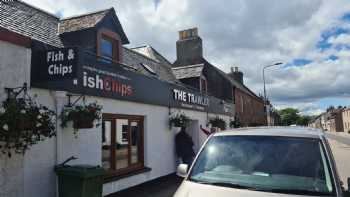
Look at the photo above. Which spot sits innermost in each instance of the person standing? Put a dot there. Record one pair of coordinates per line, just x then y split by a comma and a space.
184, 147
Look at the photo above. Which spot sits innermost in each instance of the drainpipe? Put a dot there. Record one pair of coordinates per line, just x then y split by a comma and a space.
58, 98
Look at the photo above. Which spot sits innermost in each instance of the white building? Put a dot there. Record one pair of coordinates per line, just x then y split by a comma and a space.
141, 97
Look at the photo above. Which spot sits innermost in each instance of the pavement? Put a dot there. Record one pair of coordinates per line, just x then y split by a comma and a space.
340, 145
167, 186
163, 187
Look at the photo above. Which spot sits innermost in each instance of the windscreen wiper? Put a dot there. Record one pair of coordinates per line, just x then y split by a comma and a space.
283, 191
227, 184
295, 191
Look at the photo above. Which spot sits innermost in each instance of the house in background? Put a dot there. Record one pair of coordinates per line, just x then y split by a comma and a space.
334, 120
193, 69
346, 119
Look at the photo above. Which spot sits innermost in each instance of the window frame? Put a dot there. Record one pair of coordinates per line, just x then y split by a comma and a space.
114, 38
113, 171
203, 84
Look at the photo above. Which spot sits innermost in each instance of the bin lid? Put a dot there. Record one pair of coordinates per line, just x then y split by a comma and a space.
83, 171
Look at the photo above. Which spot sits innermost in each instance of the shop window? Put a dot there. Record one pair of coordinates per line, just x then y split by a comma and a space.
122, 144
108, 46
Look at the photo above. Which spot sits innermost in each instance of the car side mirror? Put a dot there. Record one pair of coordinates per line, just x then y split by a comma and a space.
182, 170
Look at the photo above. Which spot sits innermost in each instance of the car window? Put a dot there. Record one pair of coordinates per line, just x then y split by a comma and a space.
283, 164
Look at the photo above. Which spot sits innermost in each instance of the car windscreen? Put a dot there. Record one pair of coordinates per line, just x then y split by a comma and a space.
265, 163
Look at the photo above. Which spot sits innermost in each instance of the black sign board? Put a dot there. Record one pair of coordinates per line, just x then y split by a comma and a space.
93, 77
56, 65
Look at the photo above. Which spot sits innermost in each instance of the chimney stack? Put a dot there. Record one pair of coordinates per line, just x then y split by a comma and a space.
189, 48
236, 74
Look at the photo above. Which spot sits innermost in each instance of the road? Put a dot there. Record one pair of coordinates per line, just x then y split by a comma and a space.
340, 144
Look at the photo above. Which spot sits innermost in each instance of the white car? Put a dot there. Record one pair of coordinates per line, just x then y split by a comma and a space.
265, 161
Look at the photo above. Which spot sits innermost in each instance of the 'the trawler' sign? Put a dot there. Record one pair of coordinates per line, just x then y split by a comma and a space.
190, 98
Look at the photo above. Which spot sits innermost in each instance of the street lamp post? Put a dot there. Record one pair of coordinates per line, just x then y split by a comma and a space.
265, 97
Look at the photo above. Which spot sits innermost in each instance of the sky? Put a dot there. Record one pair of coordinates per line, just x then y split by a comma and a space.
311, 38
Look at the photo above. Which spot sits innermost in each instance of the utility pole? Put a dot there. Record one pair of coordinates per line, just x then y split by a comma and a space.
265, 95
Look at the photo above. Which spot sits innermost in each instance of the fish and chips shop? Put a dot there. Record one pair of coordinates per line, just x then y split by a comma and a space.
120, 101
134, 137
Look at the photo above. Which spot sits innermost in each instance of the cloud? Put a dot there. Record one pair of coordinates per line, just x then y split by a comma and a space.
248, 34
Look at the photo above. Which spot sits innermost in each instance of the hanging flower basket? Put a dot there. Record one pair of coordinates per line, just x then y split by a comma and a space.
83, 124
178, 120
82, 116
218, 122
23, 123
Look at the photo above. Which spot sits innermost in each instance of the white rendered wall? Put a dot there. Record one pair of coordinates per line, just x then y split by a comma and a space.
14, 71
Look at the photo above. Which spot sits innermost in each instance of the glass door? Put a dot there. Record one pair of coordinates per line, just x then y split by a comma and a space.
122, 143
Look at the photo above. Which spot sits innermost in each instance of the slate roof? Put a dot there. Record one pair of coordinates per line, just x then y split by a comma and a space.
188, 71
237, 84
150, 52
90, 20
30, 21
81, 22
134, 59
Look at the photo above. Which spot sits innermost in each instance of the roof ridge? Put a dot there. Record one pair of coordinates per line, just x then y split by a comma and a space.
150, 47
138, 47
39, 9
86, 14
233, 80
138, 53
188, 66
160, 55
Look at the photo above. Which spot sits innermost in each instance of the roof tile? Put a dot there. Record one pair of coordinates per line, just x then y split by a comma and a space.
81, 22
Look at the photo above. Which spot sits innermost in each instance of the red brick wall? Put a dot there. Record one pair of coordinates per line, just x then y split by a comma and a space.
249, 109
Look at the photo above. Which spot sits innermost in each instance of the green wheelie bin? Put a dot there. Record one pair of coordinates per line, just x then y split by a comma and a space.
80, 180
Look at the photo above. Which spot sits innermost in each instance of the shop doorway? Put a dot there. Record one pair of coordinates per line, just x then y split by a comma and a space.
193, 130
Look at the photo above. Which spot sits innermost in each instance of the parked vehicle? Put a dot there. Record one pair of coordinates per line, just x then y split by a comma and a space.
280, 161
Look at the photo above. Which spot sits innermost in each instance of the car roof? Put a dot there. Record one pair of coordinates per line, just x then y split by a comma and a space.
291, 131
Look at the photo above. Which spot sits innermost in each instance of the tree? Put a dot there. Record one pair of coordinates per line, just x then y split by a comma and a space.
291, 116
303, 120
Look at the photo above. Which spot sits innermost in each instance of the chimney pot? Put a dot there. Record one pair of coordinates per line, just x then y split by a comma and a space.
236, 74
188, 33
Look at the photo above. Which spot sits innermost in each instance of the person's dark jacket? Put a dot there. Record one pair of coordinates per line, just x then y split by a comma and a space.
184, 145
